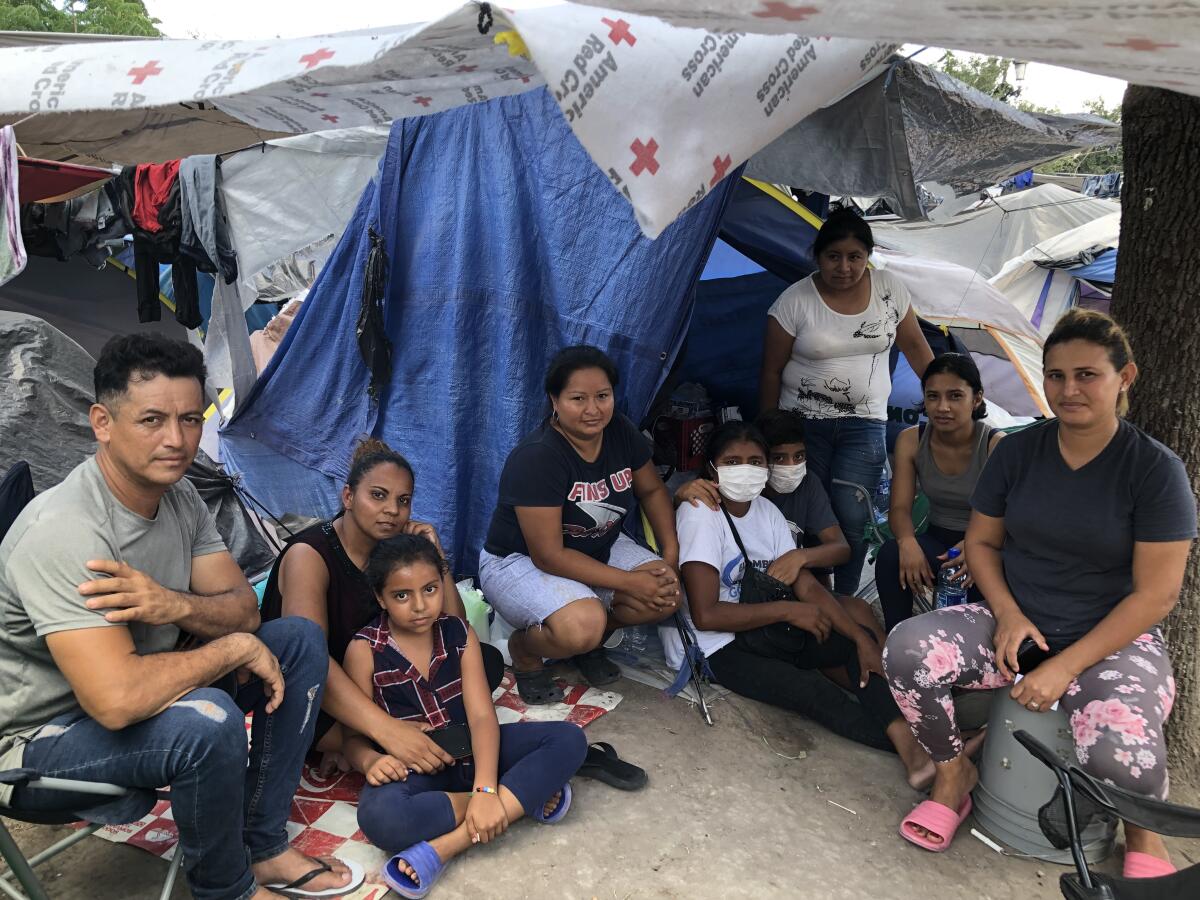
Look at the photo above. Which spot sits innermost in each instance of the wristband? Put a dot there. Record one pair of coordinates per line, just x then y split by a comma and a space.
485, 790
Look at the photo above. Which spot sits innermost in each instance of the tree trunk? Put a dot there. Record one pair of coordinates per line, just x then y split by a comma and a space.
1157, 299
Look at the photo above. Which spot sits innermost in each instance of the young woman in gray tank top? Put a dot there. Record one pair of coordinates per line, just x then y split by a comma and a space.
942, 458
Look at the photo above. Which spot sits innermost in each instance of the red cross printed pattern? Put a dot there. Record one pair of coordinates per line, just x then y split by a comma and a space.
619, 31
317, 94
424, 101
1141, 44
328, 118
466, 68
141, 73
643, 156
721, 165
776, 10
316, 57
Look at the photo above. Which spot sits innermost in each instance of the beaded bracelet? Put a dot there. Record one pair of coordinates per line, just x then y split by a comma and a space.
485, 790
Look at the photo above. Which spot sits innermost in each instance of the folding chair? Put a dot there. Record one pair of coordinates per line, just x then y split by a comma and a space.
1077, 800
21, 868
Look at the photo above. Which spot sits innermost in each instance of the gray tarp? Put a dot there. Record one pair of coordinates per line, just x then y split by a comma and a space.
45, 393
912, 125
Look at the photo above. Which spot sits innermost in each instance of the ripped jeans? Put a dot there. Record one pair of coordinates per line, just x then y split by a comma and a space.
229, 813
1117, 708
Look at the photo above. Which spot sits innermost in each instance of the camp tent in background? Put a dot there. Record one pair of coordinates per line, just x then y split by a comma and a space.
1076, 268
995, 230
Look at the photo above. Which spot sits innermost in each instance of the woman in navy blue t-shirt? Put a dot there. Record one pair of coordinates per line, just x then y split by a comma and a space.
555, 563
1078, 541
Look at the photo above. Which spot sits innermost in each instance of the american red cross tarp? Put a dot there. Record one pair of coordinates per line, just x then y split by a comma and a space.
504, 244
664, 108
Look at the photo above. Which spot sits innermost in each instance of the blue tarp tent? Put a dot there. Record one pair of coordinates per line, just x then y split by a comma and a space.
504, 243
1102, 269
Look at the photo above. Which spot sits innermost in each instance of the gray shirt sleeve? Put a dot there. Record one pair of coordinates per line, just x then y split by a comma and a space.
205, 537
47, 567
819, 514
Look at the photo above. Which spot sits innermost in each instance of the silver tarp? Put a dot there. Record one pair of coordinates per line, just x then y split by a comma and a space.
913, 125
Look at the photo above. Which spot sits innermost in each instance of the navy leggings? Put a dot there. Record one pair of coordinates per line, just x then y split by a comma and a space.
536, 760
897, 602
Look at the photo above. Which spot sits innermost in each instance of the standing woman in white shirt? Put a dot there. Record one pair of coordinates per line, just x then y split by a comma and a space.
826, 356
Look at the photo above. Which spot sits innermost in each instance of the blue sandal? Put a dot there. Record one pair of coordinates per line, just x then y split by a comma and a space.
423, 859
564, 803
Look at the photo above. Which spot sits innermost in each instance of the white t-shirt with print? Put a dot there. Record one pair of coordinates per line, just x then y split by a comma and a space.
704, 537
839, 363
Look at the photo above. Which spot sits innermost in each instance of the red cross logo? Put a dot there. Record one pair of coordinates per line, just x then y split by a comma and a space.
1141, 44
776, 10
318, 94
619, 31
466, 68
424, 101
141, 73
328, 118
643, 156
720, 167
525, 79
316, 57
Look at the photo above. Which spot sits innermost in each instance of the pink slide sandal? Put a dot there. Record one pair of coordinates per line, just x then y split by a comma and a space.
937, 818
1143, 865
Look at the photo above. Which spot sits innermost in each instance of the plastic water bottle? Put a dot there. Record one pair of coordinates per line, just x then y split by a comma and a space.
883, 499
950, 591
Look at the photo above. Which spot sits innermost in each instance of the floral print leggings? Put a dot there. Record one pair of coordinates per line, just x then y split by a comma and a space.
1117, 707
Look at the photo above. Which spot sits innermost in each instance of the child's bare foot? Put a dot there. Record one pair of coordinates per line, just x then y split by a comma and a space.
552, 804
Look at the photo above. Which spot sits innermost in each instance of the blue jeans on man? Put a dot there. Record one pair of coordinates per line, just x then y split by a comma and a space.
197, 746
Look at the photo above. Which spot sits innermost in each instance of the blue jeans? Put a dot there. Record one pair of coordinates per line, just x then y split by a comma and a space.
536, 759
853, 450
229, 814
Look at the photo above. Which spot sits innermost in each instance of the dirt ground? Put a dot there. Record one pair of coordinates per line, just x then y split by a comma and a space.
726, 815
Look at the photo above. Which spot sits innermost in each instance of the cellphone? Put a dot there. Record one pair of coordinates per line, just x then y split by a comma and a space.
454, 739
1030, 656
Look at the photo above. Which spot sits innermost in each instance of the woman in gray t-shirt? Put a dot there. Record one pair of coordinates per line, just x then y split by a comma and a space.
1078, 541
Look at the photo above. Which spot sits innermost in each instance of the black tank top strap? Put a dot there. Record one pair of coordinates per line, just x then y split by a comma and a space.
349, 601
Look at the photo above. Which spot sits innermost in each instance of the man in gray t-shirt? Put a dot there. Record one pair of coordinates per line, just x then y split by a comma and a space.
98, 578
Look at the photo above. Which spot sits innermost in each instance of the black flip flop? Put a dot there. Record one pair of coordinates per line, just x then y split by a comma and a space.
596, 668
537, 688
603, 764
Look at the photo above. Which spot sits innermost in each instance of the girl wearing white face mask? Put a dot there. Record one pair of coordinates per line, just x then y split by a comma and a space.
820, 543
825, 636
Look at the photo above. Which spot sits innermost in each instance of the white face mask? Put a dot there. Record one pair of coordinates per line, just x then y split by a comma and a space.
741, 484
786, 479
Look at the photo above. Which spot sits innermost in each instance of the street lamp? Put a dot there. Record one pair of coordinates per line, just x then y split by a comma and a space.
1019, 67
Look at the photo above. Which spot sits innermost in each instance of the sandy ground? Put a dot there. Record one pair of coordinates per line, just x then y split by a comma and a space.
726, 814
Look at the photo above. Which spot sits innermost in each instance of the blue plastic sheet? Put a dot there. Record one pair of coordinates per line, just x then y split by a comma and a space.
505, 244
1103, 268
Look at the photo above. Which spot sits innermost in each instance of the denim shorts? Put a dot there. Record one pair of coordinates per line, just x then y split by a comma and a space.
524, 595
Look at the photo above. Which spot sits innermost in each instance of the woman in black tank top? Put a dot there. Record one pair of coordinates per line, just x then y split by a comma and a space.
320, 576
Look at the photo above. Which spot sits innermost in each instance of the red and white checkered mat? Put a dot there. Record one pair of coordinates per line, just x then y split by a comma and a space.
324, 816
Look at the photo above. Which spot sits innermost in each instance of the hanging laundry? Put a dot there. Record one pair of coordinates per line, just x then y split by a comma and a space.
205, 234
12, 248
141, 194
153, 184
